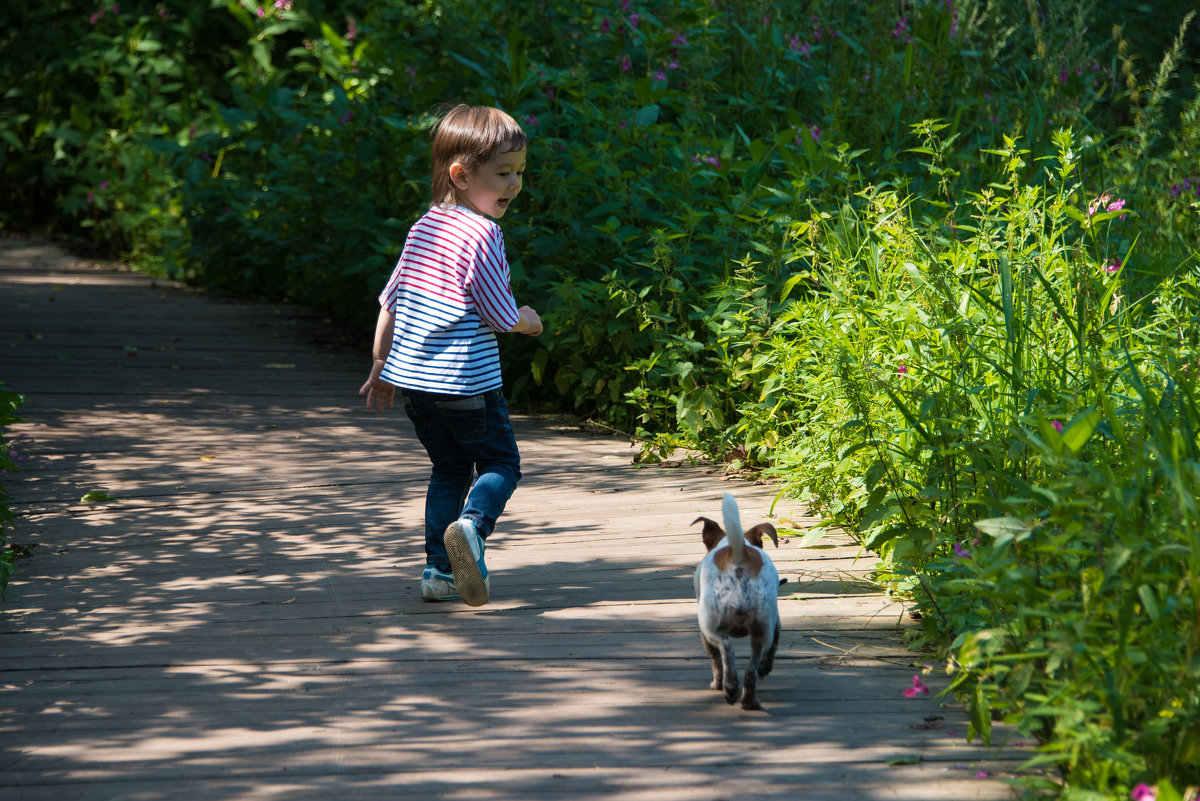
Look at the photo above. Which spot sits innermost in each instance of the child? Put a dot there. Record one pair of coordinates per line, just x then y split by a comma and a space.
434, 340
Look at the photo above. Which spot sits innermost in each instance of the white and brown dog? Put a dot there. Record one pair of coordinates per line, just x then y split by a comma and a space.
737, 587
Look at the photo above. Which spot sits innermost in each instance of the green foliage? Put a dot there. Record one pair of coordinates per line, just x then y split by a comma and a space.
9, 403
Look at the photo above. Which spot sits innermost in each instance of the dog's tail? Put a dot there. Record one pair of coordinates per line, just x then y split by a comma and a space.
733, 527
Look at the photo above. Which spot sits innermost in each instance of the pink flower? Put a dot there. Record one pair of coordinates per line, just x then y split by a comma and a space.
1057, 425
604, 26
1144, 792
960, 552
1113, 267
626, 64
903, 368
633, 21
624, 5
116, 9
531, 120
91, 197
983, 774
660, 76
918, 688
680, 40
261, 13
674, 65
351, 29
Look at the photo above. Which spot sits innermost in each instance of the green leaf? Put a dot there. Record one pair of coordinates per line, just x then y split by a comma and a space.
96, 496
904, 759
646, 115
1003, 529
1080, 429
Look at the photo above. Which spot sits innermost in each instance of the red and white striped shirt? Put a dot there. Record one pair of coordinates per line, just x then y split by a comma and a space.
450, 291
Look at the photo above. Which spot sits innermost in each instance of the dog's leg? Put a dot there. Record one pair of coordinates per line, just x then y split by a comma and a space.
768, 660
757, 642
714, 656
729, 672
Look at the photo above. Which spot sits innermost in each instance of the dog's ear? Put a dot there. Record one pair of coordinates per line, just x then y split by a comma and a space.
712, 533
755, 535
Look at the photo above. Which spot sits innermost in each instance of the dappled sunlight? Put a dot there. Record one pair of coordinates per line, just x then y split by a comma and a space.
243, 611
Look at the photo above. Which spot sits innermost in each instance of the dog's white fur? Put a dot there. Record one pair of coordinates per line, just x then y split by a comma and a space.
737, 587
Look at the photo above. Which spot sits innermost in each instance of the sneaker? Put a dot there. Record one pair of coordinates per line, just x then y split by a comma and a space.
437, 585
465, 549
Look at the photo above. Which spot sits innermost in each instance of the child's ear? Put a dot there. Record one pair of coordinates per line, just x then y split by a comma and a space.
459, 176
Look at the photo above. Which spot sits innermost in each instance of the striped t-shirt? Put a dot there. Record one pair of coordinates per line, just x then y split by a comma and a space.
449, 292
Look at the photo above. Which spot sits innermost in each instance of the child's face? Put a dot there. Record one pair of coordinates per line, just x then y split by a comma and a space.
493, 185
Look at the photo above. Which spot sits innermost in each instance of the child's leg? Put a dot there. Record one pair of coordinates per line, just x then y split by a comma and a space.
450, 479
497, 465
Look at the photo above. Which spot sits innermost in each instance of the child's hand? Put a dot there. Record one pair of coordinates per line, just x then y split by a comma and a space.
380, 393
531, 320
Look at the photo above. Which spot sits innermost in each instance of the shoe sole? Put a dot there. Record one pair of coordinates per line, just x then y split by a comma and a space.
427, 594
468, 579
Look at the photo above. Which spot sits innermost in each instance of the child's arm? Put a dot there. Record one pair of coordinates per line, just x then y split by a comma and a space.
380, 393
529, 323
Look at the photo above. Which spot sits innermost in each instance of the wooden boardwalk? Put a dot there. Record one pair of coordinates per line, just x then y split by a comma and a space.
244, 622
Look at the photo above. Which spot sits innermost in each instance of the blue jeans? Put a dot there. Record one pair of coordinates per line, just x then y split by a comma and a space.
469, 439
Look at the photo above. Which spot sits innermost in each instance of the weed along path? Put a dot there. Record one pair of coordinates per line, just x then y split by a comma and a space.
242, 620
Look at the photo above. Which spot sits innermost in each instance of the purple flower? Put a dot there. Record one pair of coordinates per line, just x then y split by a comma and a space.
660, 76
604, 26
261, 13
901, 28
1117, 204
918, 688
351, 29
162, 12
1057, 425
91, 197
116, 9
531, 120
983, 774
626, 64
815, 131
680, 40
674, 65
1144, 792
960, 552
1062, 75
633, 21
624, 5
1113, 267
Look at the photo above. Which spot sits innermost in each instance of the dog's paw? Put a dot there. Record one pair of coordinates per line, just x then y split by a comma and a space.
715, 684
731, 695
750, 702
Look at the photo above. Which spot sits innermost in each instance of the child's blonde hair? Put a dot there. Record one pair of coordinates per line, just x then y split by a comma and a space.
470, 135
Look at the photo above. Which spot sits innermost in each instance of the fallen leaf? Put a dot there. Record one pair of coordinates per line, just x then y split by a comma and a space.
208, 457
96, 496
280, 366
905, 759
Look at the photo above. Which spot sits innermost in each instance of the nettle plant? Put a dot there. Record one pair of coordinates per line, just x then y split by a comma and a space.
1002, 406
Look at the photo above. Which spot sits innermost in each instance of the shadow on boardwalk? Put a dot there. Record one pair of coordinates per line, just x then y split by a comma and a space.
244, 622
